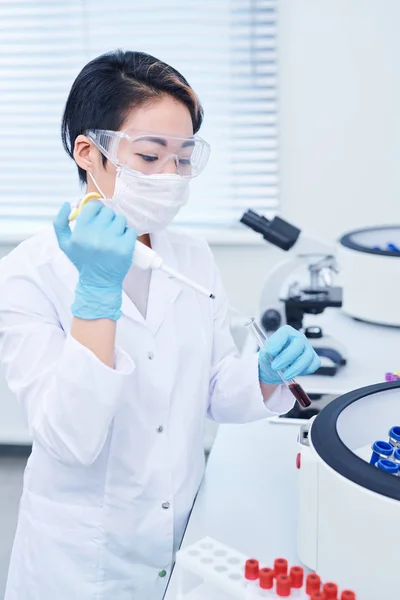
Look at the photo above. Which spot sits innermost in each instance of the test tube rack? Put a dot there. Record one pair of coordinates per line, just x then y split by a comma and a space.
208, 570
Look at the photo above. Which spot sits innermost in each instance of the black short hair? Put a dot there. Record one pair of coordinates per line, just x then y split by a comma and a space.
109, 86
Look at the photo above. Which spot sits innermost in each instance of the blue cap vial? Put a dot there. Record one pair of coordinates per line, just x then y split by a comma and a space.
394, 436
396, 455
387, 465
380, 449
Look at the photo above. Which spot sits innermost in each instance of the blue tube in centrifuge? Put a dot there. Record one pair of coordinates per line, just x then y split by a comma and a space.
387, 465
396, 457
380, 450
394, 436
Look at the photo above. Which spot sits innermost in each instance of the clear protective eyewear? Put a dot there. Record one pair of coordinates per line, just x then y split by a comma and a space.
148, 153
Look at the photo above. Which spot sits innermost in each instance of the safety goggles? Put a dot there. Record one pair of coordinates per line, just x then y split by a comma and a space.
148, 153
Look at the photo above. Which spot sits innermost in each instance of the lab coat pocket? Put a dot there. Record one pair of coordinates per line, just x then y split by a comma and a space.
61, 548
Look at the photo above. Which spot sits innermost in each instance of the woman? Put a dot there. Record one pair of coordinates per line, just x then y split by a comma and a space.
116, 369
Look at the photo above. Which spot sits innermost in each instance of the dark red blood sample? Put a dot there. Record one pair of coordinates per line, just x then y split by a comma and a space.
330, 590
283, 586
297, 577
300, 395
318, 596
313, 584
266, 578
348, 595
280, 567
251, 569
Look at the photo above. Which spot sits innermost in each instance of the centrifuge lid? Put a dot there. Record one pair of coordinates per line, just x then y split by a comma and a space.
349, 240
334, 452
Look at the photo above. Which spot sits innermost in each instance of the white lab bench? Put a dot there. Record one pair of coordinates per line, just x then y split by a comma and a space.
248, 498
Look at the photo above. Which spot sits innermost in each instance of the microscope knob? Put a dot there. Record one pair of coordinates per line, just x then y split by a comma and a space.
271, 320
313, 333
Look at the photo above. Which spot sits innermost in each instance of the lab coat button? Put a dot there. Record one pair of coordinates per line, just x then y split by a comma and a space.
160, 429
165, 505
150, 355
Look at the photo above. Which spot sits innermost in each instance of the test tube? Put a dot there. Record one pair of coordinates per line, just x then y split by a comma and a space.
380, 449
330, 590
251, 575
296, 389
297, 579
313, 583
394, 436
348, 595
283, 586
266, 582
396, 458
388, 466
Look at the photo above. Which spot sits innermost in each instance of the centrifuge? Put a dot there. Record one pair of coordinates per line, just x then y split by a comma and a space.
369, 263
349, 510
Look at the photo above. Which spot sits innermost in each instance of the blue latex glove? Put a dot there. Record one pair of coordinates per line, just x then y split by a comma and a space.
101, 248
292, 354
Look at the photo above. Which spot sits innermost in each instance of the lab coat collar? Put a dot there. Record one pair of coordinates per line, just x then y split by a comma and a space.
163, 291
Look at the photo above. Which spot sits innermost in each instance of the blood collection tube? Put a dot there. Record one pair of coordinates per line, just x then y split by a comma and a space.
396, 458
280, 566
313, 583
348, 595
283, 586
294, 387
394, 436
297, 577
251, 569
388, 466
380, 449
318, 596
266, 581
299, 393
330, 590
251, 574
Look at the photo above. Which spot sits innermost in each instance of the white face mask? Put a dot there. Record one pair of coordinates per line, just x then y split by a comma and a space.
148, 202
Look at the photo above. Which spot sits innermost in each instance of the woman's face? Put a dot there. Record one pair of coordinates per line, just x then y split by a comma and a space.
165, 115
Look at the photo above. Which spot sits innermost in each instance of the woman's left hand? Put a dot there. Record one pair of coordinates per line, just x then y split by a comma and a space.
291, 353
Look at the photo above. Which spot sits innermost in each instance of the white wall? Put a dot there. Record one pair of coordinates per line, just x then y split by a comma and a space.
339, 70
340, 113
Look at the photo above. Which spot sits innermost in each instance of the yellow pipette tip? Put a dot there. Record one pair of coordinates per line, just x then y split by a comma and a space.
76, 211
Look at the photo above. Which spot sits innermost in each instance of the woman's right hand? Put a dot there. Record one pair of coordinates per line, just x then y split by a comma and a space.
101, 247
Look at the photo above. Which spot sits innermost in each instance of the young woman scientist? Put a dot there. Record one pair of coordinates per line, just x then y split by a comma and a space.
116, 369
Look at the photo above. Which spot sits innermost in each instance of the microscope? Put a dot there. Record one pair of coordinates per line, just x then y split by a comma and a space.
299, 299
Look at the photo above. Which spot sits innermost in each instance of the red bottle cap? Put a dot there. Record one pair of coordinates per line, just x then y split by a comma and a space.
313, 583
317, 596
348, 595
266, 578
330, 590
251, 569
280, 567
283, 586
297, 577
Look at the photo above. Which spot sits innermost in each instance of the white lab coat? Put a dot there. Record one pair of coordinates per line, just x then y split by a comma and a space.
117, 454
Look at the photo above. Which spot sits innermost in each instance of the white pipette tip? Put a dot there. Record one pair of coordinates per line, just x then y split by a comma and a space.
187, 281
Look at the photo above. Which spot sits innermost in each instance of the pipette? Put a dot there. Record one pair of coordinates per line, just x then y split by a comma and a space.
296, 389
145, 257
